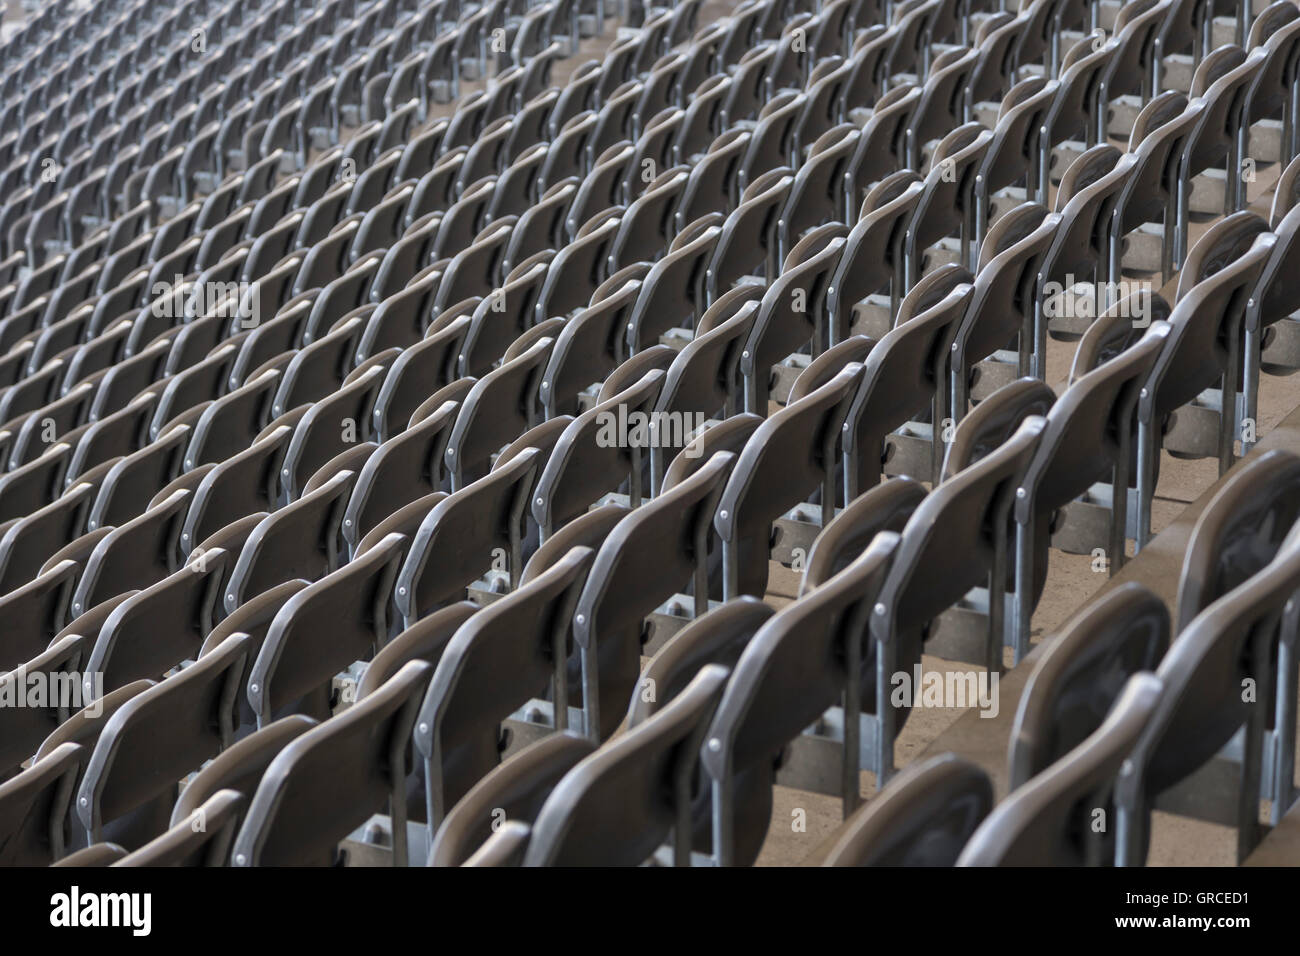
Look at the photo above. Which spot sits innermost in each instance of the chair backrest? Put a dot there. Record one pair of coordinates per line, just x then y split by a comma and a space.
789, 674
303, 806
1048, 821
1081, 672
1081, 440
948, 544
923, 817
1239, 532
1206, 674
885, 507
649, 556
203, 839
323, 629
788, 456
717, 637
498, 660
34, 806
456, 539
155, 739
512, 793
618, 805
131, 645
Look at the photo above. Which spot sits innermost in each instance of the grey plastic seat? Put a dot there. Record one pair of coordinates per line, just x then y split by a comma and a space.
922, 818
1151, 191
300, 540
947, 203
1081, 673
457, 731
319, 369
234, 421
903, 376
943, 103
29, 542
647, 558
792, 313
238, 769
788, 457
26, 727
241, 485
872, 260
949, 545
1238, 533
134, 554
771, 699
153, 740
33, 806
1016, 150
577, 269
295, 816
1088, 433
1203, 347
456, 540
541, 226
330, 426
420, 371
129, 645
203, 840
713, 183
584, 466
651, 767
1047, 821
321, 630
403, 469
885, 507
503, 315
589, 346
672, 293
514, 792
1085, 201
1002, 301
131, 483
500, 406
37, 610
749, 236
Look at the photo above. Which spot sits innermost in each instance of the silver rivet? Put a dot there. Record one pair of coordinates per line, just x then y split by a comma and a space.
1020, 492
880, 610
723, 514
581, 619
253, 688
239, 859
715, 744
